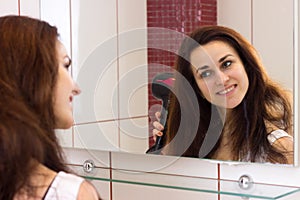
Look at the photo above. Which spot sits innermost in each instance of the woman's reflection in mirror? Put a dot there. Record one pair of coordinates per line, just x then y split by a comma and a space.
254, 113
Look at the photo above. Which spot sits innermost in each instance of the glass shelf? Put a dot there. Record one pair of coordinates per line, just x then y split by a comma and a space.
222, 187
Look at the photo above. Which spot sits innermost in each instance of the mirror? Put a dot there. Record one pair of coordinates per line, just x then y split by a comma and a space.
110, 62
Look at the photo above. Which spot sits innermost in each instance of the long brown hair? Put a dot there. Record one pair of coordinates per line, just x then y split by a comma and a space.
265, 102
28, 74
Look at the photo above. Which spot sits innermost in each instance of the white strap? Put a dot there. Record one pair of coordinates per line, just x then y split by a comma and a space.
64, 186
277, 134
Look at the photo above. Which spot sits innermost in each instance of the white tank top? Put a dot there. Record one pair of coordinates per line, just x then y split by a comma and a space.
64, 186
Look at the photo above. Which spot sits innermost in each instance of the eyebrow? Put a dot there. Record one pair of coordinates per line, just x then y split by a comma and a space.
220, 60
224, 57
202, 68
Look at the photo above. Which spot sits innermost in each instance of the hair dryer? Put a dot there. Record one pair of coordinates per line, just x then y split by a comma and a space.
161, 87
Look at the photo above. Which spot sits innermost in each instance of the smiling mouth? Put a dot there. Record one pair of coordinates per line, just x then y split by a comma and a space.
226, 91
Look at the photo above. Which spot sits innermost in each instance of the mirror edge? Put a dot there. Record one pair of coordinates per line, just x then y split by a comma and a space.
296, 82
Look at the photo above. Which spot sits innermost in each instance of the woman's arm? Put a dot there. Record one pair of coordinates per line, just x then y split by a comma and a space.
87, 192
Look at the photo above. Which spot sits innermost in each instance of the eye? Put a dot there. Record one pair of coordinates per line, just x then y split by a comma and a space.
67, 63
226, 64
206, 73
67, 66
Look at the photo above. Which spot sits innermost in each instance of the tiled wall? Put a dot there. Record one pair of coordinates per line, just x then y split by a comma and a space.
110, 61
268, 25
99, 34
178, 17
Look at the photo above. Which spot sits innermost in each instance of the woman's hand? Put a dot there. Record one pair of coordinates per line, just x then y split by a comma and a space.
158, 127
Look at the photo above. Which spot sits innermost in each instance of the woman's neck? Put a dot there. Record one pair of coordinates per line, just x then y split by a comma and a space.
224, 113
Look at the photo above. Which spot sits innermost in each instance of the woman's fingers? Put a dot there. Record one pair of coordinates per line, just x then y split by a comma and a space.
158, 115
157, 131
158, 127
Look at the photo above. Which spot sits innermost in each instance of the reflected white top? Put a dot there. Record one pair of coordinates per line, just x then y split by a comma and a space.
277, 134
64, 186
272, 137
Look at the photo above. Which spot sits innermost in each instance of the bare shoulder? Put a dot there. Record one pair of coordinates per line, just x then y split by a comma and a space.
87, 192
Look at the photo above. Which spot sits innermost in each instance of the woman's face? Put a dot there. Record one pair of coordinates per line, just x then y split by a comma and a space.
220, 74
65, 90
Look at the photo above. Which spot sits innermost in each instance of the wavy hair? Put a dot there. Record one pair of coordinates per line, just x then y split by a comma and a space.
264, 103
28, 75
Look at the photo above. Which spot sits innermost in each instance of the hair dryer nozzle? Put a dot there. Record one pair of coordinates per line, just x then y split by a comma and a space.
162, 84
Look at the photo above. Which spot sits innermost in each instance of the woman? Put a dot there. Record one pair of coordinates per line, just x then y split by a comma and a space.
36, 93
239, 113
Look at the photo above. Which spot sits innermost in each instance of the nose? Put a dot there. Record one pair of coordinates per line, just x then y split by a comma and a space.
76, 90
221, 78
